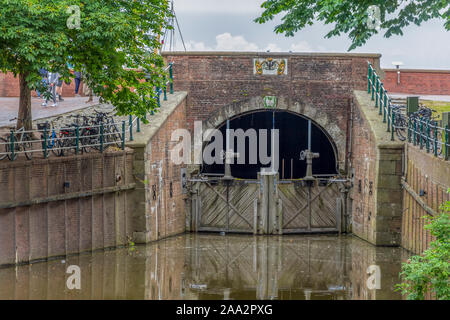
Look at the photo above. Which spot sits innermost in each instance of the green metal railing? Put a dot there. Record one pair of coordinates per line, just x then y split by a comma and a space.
62, 141
421, 132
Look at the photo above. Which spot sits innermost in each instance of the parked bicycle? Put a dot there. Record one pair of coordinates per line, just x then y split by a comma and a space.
51, 139
19, 141
400, 123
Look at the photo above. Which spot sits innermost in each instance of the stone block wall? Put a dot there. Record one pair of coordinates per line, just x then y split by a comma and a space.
60, 206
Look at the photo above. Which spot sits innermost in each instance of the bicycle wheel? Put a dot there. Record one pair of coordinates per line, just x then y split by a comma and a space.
56, 148
115, 136
439, 147
3, 152
27, 146
400, 129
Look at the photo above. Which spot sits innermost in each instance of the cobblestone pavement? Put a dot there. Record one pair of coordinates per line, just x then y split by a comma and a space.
9, 108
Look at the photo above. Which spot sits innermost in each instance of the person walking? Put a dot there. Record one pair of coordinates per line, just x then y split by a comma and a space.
59, 86
53, 79
77, 82
44, 75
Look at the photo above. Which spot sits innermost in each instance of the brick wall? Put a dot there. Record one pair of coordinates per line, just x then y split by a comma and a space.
428, 82
165, 200
158, 202
377, 170
41, 217
432, 175
363, 159
9, 87
217, 79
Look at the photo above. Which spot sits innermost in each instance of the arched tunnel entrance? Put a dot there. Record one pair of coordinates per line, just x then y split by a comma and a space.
292, 139
240, 192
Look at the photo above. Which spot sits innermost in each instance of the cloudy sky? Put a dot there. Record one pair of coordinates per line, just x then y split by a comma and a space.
228, 25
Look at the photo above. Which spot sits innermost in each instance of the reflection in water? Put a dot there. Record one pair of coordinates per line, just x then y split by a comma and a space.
216, 267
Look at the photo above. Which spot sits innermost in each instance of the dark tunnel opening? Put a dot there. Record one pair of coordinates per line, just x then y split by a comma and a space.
293, 138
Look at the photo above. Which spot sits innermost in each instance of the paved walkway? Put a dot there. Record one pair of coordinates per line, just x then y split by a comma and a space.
9, 108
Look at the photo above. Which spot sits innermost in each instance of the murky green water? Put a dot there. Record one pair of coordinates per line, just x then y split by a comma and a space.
218, 267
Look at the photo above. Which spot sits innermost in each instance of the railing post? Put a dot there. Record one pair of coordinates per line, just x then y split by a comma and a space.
384, 107
101, 137
409, 129
138, 125
435, 139
392, 126
377, 92
373, 85
158, 99
130, 121
381, 98
11, 138
415, 132
428, 136
165, 89
389, 117
446, 144
77, 150
123, 134
171, 77
369, 75
421, 133
45, 143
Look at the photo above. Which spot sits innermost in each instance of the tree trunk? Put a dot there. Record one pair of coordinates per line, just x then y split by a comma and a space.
24, 117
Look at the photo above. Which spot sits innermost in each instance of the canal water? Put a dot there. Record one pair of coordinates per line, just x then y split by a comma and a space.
205, 266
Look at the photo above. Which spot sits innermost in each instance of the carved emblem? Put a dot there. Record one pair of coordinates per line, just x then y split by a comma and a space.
270, 66
270, 102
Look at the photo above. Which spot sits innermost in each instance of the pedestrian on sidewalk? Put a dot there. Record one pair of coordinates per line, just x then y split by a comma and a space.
53, 78
77, 82
59, 86
44, 75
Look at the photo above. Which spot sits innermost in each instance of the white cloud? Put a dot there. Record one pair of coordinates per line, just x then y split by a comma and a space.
302, 46
272, 47
227, 42
193, 46
224, 42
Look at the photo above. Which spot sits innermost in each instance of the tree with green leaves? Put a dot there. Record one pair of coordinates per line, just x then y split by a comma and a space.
359, 19
430, 271
112, 41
